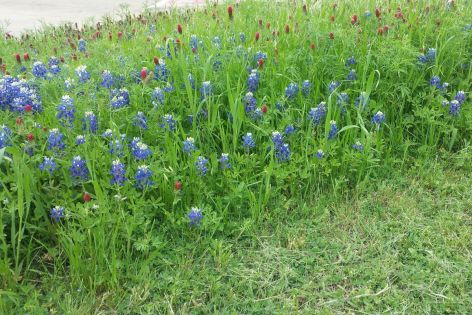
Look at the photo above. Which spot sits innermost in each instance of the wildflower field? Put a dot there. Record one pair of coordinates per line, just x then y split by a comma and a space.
251, 158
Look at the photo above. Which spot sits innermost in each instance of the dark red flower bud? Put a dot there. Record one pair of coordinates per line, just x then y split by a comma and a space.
331, 18
28, 108
260, 63
257, 36
87, 197
331, 35
230, 12
287, 28
144, 72
354, 19
30, 137
179, 28
156, 60
18, 58
120, 34
178, 185
26, 57
264, 108
19, 121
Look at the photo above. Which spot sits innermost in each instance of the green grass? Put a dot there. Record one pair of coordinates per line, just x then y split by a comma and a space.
386, 229
402, 245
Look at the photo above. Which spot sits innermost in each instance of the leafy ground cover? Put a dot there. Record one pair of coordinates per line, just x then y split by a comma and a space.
244, 158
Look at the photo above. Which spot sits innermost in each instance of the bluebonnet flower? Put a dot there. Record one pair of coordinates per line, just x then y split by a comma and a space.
250, 102
289, 130
257, 114
57, 213
55, 70
431, 54
168, 122
140, 150
107, 133
444, 86
195, 216
280, 106
319, 154
352, 76
82, 73
161, 72
5, 137
362, 100
206, 90
169, 87
454, 108
80, 139
116, 146
460, 97
16, 93
55, 140
66, 111
152, 28
291, 91
342, 100
48, 165
306, 87
79, 168
258, 56
253, 81
422, 59
277, 139
248, 142
189, 145
333, 129
157, 97
82, 45
119, 98
69, 83
118, 173
107, 79
445, 103
140, 120
39, 69
435, 81
53, 61
194, 42
350, 61
282, 150
358, 146
317, 114
191, 80
242, 37
224, 161
378, 119
201, 165
333, 85
89, 122
143, 177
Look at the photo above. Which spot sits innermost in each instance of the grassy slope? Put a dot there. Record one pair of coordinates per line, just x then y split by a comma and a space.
402, 245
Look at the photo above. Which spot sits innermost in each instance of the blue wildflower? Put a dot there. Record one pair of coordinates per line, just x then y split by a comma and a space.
143, 177
201, 165
157, 97
358, 146
435, 81
119, 98
333, 130
79, 139
333, 85
316, 114
140, 150
306, 87
55, 70
161, 72
454, 108
250, 102
118, 172
48, 165
140, 120
66, 111
195, 216
460, 97
291, 91
350, 61
107, 79
57, 213
116, 146
53, 61
168, 122
253, 81
206, 90
289, 130
248, 142
378, 119
352, 76
224, 161
189, 145
277, 139
191, 80
79, 168
82, 45
89, 122
55, 140
39, 70
319, 154
431, 54
82, 73
5, 137
362, 100
242, 37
